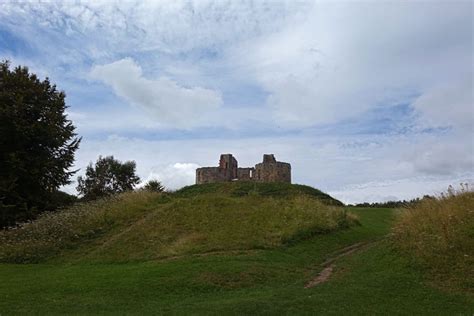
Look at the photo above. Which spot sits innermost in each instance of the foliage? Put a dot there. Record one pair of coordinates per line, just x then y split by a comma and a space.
162, 225
37, 144
245, 188
439, 234
154, 186
62, 199
109, 176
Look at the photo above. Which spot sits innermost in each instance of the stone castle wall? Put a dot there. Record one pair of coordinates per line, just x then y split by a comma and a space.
209, 175
273, 172
245, 174
269, 170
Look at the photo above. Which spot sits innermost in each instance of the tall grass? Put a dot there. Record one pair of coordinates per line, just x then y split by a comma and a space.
52, 232
438, 234
145, 226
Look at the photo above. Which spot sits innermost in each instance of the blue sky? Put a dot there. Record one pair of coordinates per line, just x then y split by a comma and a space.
368, 100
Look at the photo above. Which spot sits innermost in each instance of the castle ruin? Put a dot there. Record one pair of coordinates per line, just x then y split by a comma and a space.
269, 170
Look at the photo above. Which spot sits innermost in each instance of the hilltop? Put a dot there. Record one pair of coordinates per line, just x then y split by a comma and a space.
246, 188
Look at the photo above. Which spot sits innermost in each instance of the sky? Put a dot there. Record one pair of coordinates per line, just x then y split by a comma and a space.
368, 100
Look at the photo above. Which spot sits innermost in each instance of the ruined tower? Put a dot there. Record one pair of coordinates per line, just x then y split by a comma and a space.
227, 171
270, 170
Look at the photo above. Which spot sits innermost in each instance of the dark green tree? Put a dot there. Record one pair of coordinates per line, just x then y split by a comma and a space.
154, 186
37, 144
109, 176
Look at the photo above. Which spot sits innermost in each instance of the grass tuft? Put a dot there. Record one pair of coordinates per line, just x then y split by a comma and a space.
438, 233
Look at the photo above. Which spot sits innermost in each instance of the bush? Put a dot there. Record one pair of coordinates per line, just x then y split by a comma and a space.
154, 186
439, 235
109, 176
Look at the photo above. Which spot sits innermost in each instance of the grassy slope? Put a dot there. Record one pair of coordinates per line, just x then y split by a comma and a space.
144, 226
242, 188
374, 281
213, 223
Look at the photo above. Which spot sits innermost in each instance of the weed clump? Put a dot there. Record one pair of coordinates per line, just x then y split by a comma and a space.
438, 233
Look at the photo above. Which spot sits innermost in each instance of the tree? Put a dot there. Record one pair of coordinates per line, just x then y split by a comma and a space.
37, 144
154, 186
109, 176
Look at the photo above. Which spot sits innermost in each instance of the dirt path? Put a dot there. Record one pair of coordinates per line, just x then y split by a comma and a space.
329, 264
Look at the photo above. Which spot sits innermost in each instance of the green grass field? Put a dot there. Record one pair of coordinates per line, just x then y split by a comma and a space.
373, 281
203, 252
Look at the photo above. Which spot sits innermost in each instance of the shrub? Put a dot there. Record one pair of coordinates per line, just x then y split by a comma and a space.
107, 177
154, 186
439, 235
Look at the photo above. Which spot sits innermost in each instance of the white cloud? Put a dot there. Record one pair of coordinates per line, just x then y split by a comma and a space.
341, 59
174, 176
319, 63
449, 105
405, 189
442, 155
171, 104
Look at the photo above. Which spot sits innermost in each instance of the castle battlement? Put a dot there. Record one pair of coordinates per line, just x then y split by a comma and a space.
270, 170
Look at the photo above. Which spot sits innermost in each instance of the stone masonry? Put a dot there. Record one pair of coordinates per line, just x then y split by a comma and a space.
269, 170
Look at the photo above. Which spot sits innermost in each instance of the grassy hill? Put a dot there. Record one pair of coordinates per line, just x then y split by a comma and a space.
225, 253
141, 226
242, 188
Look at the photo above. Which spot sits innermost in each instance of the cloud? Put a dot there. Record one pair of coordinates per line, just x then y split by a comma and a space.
451, 104
443, 155
338, 61
299, 79
171, 104
397, 190
318, 62
174, 176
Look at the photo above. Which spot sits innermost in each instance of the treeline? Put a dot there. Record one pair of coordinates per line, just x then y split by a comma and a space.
394, 204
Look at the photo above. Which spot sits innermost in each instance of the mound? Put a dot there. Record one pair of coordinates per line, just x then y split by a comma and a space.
140, 226
242, 188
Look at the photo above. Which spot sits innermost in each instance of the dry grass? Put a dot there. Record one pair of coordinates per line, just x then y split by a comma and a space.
439, 234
